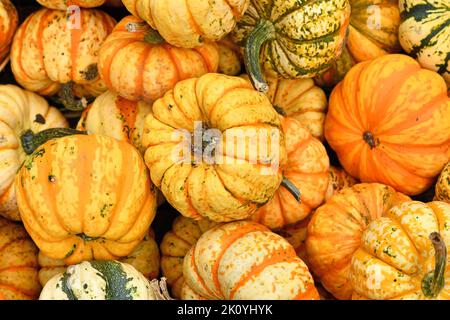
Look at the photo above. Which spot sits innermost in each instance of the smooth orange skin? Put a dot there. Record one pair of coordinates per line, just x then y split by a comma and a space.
407, 111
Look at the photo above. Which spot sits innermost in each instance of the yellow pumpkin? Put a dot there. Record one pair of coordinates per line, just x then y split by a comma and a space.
18, 263
206, 176
188, 23
20, 111
85, 197
175, 245
403, 255
8, 25
65, 4
442, 188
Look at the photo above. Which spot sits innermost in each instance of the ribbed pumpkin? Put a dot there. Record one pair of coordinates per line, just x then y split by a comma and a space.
103, 280
20, 111
145, 258
403, 255
8, 25
64, 4
57, 52
85, 197
425, 33
389, 122
442, 188
339, 179
230, 57
293, 39
307, 167
334, 233
135, 62
206, 176
116, 117
245, 261
188, 23
18, 263
175, 245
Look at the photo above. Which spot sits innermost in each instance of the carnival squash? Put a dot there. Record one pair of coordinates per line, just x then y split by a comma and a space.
103, 280
389, 122
245, 261
293, 39
65, 4
334, 233
175, 245
85, 197
442, 188
136, 63
8, 25
56, 52
307, 167
20, 111
230, 57
188, 23
403, 255
339, 179
425, 33
215, 147
18, 263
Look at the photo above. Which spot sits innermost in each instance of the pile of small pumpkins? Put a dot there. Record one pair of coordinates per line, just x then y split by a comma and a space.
355, 205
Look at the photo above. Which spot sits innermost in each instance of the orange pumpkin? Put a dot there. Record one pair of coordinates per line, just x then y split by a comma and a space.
85, 197
136, 63
389, 122
307, 168
8, 25
18, 263
334, 232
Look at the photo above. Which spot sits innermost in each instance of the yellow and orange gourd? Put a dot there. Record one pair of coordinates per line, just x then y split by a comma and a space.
8, 25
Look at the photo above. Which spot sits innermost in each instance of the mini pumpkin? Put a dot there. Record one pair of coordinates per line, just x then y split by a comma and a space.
103, 280
292, 39
18, 263
8, 25
208, 175
334, 232
403, 255
174, 246
395, 127
56, 52
188, 23
442, 188
136, 63
245, 261
85, 197
65, 4
20, 112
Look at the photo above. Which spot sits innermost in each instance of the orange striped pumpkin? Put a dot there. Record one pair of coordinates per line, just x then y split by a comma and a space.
55, 47
8, 25
64, 4
85, 197
137, 64
18, 263
307, 167
334, 232
389, 122
244, 260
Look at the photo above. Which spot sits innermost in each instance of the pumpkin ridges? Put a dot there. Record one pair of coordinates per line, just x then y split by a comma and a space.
107, 65
75, 35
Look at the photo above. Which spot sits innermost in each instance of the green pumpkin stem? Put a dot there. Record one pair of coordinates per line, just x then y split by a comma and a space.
66, 97
31, 141
434, 281
263, 32
291, 188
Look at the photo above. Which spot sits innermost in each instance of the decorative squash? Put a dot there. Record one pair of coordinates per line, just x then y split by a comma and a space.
85, 197
188, 23
175, 245
442, 189
103, 280
8, 25
293, 39
18, 263
334, 232
116, 117
65, 4
20, 111
145, 258
245, 261
307, 167
135, 62
395, 127
207, 177
56, 52
425, 33
403, 255
339, 179
230, 57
